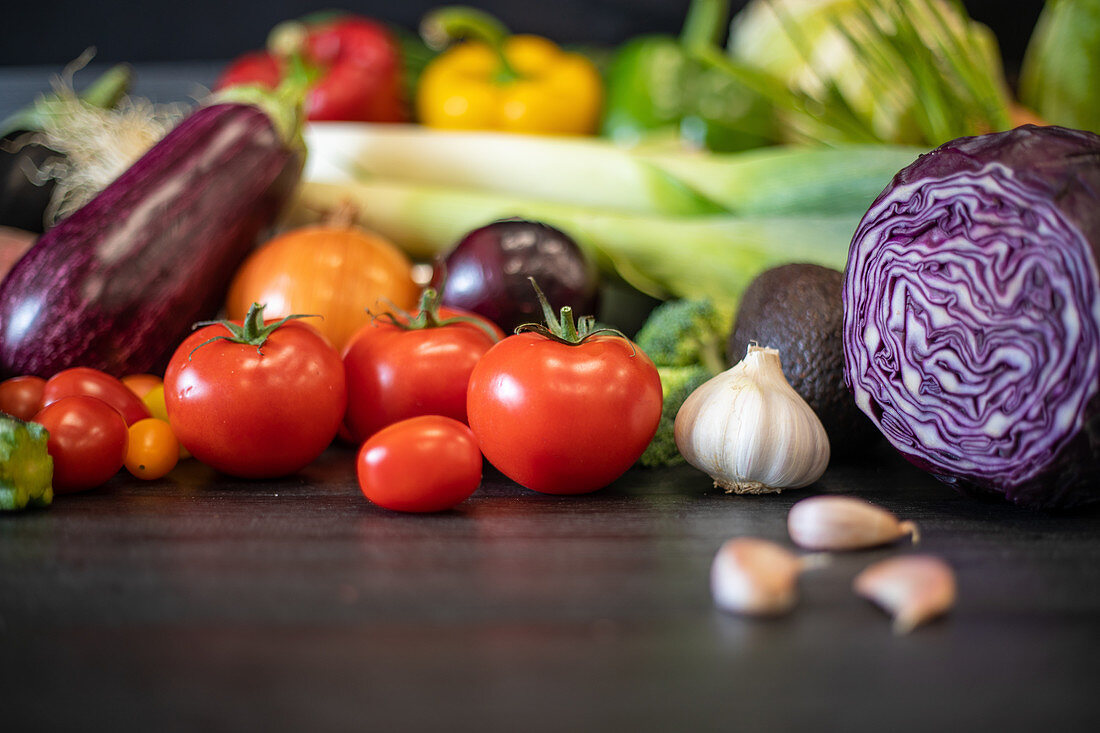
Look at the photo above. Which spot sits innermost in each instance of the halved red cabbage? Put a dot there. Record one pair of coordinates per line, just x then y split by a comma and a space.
972, 314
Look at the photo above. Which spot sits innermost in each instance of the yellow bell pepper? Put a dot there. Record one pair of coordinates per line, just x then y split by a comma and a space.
518, 83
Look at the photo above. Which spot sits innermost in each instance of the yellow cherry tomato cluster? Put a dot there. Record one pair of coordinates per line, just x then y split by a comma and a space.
152, 450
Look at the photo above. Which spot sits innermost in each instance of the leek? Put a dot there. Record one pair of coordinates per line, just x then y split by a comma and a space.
711, 256
1062, 65
566, 169
599, 174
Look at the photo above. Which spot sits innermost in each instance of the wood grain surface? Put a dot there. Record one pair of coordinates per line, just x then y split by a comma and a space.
203, 603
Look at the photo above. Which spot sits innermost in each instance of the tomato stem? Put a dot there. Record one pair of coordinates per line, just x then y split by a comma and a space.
563, 328
427, 315
251, 331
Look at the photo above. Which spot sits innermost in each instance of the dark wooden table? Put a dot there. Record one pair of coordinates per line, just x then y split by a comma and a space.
201, 603
198, 603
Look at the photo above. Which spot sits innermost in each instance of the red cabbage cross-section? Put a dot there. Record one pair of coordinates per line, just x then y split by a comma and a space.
972, 314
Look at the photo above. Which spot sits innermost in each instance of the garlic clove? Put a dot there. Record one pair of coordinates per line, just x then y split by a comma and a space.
844, 523
750, 431
912, 588
755, 577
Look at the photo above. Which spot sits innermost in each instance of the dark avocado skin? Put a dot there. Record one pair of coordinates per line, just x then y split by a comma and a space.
797, 309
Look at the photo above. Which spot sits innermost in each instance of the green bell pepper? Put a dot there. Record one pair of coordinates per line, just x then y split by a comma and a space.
655, 87
26, 468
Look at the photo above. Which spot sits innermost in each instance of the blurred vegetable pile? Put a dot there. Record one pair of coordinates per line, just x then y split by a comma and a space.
737, 146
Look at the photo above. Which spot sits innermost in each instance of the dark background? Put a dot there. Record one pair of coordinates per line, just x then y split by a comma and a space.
53, 32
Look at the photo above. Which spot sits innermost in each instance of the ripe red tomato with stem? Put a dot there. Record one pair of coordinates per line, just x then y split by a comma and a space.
88, 441
402, 365
564, 408
21, 397
255, 399
428, 463
94, 383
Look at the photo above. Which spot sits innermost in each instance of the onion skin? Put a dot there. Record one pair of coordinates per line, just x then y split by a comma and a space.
342, 274
972, 315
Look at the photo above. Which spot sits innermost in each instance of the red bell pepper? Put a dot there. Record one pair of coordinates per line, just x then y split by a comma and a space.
356, 63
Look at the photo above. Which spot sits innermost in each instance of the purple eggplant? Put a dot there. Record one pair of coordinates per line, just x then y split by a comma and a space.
117, 285
489, 270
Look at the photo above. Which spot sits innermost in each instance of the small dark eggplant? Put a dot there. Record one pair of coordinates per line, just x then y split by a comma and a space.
487, 272
25, 189
27, 166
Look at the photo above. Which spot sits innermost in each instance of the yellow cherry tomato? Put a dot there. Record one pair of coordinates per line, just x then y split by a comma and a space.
154, 402
140, 384
153, 449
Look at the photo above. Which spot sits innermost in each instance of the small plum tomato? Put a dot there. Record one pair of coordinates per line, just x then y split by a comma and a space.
94, 383
153, 449
424, 464
21, 397
88, 441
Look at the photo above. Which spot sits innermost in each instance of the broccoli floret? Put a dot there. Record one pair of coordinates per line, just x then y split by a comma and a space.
26, 469
684, 339
676, 384
680, 333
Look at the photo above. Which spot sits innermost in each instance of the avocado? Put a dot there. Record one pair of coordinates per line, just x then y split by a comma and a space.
797, 309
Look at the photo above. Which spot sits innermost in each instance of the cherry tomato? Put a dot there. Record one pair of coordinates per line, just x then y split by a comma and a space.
21, 397
394, 373
564, 418
153, 449
428, 463
88, 441
94, 383
140, 384
154, 403
255, 411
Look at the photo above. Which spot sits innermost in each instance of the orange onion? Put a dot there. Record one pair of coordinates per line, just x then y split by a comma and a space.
334, 271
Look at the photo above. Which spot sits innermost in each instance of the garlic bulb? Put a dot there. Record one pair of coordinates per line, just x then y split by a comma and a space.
750, 431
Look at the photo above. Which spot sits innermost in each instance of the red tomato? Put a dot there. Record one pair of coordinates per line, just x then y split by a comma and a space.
424, 464
94, 383
564, 418
395, 373
255, 412
88, 441
21, 397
